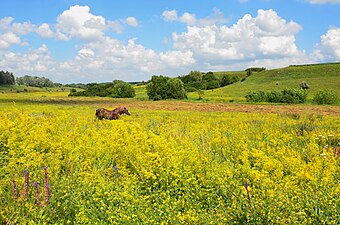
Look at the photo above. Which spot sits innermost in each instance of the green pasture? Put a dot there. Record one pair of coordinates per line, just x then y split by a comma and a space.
319, 77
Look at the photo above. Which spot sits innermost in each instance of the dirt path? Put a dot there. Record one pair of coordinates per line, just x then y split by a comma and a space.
247, 108
183, 106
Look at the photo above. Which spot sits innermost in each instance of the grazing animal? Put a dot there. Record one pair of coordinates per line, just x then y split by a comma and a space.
111, 114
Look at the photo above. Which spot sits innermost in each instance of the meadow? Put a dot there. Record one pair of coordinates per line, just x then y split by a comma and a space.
170, 162
318, 76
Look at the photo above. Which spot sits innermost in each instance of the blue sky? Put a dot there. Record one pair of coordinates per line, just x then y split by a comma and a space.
83, 41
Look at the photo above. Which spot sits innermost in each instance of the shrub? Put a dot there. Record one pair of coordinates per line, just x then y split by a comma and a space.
256, 96
274, 96
285, 96
293, 96
326, 97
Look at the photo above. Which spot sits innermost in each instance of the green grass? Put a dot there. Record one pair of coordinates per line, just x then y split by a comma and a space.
141, 92
318, 76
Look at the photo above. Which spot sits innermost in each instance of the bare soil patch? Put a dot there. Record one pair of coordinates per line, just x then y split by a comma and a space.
246, 108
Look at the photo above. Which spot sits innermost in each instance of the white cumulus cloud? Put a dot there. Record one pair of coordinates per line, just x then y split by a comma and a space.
132, 21
264, 36
8, 39
188, 18
216, 17
112, 59
37, 61
79, 22
329, 48
10, 32
170, 15
44, 31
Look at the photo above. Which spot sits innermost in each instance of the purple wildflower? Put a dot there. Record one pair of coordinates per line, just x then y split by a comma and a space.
37, 195
27, 178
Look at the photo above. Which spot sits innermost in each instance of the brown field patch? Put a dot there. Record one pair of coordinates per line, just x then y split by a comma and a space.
246, 108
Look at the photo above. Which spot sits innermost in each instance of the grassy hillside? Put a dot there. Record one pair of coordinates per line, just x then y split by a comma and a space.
318, 76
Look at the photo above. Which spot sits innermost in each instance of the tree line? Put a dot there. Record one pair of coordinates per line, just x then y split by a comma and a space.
34, 81
7, 78
115, 89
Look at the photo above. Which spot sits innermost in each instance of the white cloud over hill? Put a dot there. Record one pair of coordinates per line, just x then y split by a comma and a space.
208, 43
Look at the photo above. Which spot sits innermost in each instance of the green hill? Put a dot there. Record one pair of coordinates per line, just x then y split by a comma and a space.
318, 77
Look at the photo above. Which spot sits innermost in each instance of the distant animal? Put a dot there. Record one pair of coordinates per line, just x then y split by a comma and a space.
111, 114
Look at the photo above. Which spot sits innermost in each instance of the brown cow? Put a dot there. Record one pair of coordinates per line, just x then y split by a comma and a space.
111, 114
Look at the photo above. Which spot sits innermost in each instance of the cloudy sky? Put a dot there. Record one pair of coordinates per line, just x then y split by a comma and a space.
82, 41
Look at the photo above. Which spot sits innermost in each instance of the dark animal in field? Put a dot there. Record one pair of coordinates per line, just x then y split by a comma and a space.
111, 114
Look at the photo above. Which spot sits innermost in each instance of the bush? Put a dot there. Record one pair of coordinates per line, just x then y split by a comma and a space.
325, 97
274, 96
293, 96
285, 96
256, 96
161, 87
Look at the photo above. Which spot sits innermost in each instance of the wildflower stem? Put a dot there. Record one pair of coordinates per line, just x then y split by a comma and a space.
15, 190
246, 185
47, 191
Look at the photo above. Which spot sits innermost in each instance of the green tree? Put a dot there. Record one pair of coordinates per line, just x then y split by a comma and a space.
161, 87
6, 78
175, 89
196, 75
156, 88
121, 89
226, 80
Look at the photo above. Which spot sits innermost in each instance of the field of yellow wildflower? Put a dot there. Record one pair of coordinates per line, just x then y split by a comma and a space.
59, 166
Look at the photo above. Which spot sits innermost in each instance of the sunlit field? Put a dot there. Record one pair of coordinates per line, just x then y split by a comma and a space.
166, 165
